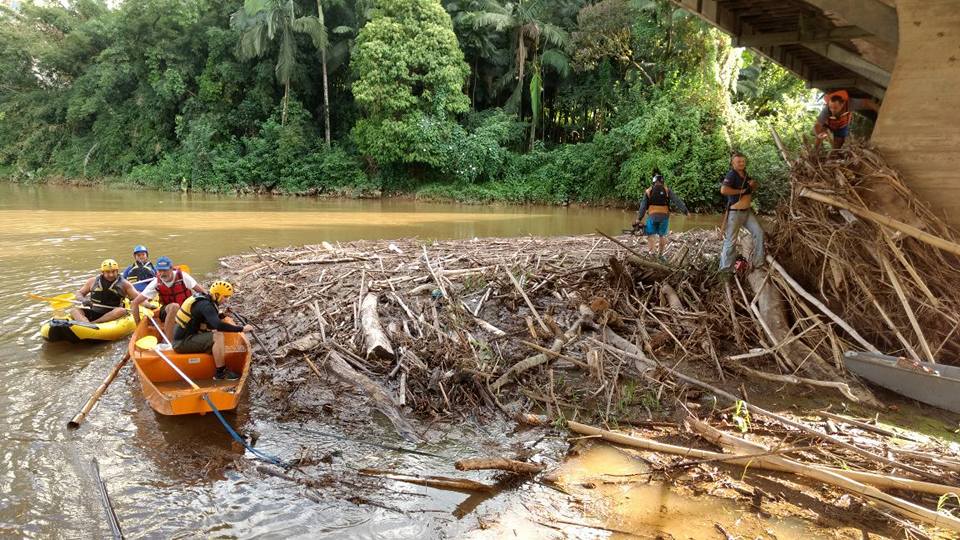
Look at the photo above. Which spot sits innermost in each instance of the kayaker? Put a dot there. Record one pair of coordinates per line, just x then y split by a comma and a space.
656, 204
837, 114
107, 292
738, 187
142, 270
172, 286
200, 328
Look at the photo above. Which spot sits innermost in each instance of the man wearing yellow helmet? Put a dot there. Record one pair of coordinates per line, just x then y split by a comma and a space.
107, 292
200, 328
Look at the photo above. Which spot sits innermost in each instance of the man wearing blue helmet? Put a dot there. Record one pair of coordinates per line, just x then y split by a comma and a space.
142, 270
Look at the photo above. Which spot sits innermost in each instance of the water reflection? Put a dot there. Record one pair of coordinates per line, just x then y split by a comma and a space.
53, 238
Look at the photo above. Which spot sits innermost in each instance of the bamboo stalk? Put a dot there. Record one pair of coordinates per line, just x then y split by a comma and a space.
874, 479
880, 219
870, 493
826, 311
906, 307
75, 422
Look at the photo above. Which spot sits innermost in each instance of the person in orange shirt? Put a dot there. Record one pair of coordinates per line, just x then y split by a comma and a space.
836, 116
656, 205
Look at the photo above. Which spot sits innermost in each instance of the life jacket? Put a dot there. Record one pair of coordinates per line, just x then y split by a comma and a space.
177, 293
658, 199
139, 272
108, 294
841, 120
188, 324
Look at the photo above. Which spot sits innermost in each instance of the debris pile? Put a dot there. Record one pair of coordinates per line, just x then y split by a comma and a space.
593, 329
857, 237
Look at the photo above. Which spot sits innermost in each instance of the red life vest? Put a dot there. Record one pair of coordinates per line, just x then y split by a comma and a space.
842, 120
175, 293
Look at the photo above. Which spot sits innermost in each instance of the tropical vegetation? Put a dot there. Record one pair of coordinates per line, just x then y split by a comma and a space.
525, 101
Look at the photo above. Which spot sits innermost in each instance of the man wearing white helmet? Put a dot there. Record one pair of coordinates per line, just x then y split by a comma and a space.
200, 328
107, 292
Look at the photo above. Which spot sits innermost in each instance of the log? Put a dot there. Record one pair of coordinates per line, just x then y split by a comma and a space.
500, 464
384, 403
819, 305
869, 493
439, 482
874, 479
376, 340
880, 219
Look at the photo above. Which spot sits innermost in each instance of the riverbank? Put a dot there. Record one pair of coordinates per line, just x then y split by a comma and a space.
558, 333
434, 192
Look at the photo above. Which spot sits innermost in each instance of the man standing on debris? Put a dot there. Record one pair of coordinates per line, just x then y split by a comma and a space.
738, 187
656, 204
836, 116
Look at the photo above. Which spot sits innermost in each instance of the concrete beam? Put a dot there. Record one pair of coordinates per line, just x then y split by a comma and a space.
860, 84
790, 38
872, 15
715, 14
852, 61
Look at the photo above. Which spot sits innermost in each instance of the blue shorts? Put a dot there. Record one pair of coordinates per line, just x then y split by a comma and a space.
658, 225
842, 132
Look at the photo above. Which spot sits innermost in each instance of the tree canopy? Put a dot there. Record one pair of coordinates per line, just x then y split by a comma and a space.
518, 100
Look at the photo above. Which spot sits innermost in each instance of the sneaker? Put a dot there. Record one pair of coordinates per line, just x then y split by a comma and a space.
224, 374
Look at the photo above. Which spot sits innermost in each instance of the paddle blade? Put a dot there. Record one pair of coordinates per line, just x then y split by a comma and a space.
146, 342
184, 268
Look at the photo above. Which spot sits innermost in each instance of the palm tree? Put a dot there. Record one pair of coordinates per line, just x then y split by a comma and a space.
525, 21
263, 21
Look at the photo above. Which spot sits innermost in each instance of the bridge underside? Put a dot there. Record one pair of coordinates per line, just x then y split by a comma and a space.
905, 52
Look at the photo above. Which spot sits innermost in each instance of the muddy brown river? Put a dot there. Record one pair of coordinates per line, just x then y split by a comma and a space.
52, 238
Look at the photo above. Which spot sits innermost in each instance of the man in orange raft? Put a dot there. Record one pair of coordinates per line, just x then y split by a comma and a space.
172, 286
836, 116
200, 327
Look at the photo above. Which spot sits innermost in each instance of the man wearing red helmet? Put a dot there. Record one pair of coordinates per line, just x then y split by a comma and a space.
836, 116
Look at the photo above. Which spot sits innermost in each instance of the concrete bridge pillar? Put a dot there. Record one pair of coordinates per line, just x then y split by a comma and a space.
918, 128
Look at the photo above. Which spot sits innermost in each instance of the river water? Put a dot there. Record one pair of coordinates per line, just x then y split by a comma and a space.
52, 238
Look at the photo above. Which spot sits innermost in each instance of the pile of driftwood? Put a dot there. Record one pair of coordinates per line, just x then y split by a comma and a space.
594, 329
858, 238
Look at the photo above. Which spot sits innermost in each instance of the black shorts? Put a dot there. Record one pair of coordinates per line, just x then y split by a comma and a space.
94, 313
163, 314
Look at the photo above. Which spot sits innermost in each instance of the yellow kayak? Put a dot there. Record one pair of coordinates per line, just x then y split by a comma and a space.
66, 329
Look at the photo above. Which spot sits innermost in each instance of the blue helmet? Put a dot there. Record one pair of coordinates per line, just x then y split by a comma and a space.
164, 263
140, 248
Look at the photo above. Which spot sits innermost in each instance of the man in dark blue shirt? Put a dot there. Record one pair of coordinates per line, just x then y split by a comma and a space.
738, 188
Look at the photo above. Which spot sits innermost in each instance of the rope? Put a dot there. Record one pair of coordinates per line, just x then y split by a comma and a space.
236, 436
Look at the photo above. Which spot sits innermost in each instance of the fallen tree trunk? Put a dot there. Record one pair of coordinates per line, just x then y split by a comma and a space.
384, 403
378, 345
874, 479
439, 482
869, 493
500, 464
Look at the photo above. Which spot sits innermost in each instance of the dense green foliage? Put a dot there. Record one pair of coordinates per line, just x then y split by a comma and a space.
523, 100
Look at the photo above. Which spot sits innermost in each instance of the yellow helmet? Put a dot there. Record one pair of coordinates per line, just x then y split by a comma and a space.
221, 290
109, 264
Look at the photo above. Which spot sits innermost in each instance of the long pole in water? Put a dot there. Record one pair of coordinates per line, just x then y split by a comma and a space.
78, 419
105, 499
